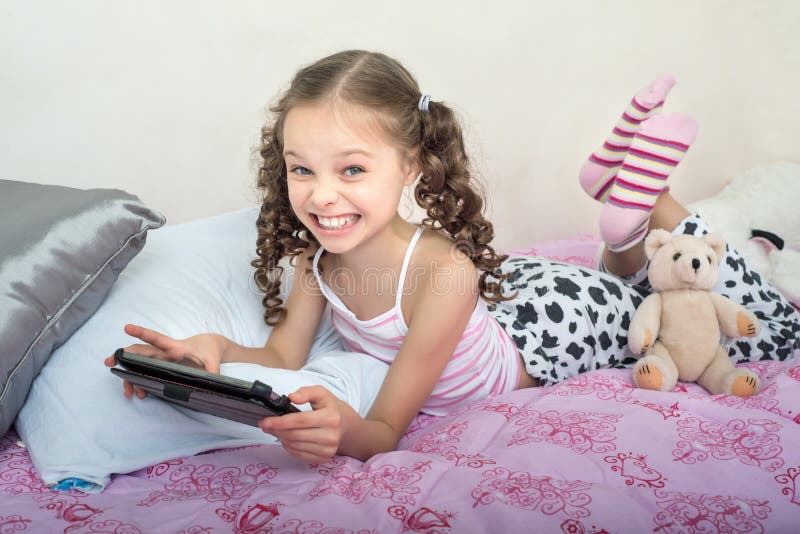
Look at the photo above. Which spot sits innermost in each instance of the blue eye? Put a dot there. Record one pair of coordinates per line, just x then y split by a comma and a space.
300, 170
352, 171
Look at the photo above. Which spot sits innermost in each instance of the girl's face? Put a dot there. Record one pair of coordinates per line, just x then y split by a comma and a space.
345, 177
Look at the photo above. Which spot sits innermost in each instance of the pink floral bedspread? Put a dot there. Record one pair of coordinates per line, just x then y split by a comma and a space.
592, 454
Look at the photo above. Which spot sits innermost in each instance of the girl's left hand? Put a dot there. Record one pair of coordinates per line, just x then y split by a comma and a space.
310, 436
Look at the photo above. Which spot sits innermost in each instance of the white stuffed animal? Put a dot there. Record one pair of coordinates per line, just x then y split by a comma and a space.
764, 201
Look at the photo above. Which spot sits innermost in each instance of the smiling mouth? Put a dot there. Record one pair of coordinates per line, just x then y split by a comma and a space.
335, 223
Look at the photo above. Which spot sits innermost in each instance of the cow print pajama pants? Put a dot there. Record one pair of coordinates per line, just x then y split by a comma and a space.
566, 319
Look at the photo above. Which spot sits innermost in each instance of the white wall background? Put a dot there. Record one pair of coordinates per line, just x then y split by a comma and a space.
165, 98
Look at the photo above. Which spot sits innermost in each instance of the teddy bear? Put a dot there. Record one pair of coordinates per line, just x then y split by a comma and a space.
678, 326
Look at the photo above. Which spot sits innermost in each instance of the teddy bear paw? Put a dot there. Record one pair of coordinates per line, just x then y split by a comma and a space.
746, 325
647, 376
745, 385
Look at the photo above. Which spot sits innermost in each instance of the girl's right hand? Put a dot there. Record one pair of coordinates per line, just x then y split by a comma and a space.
202, 351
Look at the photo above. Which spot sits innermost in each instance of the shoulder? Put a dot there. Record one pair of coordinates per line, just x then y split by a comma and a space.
438, 254
440, 272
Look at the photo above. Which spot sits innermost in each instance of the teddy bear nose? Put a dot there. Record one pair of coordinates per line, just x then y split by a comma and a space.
695, 263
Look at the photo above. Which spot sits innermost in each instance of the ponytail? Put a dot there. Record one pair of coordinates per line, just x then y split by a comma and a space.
451, 198
280, 233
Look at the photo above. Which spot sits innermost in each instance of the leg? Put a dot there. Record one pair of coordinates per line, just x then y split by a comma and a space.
564, 319
667, 214
598, 173
656, 150
656, 370
722, 377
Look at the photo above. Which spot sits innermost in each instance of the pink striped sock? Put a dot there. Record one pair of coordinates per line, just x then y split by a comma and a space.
598, 172
656, 150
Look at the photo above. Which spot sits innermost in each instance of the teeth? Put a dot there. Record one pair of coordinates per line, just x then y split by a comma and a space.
334, 223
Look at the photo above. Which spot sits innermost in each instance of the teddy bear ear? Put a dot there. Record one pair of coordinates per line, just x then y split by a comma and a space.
655, 240
717, 244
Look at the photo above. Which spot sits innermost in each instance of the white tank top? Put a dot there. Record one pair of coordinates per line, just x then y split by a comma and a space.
484, 363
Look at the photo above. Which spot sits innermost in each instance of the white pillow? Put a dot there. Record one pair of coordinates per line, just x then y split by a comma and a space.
190, 278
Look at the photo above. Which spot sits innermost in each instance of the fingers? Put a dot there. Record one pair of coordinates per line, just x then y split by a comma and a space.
329, 418
161, 346
318, 396
151, 337
310, 455
316, 445
310, 436
129, 390
302, 420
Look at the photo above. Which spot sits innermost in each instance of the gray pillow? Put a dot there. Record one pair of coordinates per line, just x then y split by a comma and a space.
61, 250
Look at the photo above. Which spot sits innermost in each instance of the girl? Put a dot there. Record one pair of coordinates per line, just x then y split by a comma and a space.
456, 321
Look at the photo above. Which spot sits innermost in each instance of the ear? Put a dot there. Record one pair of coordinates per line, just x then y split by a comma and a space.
412, 177
413, 170
716, 243
655, 240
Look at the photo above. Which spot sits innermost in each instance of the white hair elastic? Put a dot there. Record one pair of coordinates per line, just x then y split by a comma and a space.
424, 100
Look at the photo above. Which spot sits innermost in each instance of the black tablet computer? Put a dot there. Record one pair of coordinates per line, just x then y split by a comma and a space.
223, 396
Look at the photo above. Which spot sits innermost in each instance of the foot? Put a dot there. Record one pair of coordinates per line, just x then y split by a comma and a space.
651, 372
746, 384
648, 377
656, 150
598, 173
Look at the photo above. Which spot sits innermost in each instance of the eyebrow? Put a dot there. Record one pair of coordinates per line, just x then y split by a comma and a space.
343, 153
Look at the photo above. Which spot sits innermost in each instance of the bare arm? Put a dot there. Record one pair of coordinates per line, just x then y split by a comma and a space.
287, 346
290, 341
434, 330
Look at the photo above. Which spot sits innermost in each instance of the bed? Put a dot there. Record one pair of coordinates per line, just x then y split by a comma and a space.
592, 454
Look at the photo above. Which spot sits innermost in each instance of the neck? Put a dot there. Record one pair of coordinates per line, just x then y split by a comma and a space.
383, 250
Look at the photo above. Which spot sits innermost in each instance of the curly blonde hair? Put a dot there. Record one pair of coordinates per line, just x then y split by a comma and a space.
446, 190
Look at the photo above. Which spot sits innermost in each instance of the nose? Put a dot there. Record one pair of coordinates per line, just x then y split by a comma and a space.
325, 192
695, 263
